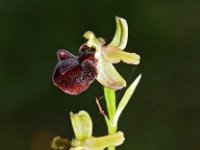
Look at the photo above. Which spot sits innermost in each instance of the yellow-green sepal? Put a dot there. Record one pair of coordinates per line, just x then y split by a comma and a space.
82, 125
115, 55
120, 38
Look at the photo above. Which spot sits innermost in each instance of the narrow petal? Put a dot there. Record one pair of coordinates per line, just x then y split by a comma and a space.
115, 55
120, 38
82, 125
108, 75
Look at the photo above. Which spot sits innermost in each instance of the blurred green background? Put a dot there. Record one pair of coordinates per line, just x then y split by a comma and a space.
163, 114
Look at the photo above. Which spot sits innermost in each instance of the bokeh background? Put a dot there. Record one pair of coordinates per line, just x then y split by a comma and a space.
164, 112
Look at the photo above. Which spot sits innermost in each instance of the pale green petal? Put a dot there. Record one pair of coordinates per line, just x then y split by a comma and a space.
115, 55
120, 38
108, 75
82, 125
125, 99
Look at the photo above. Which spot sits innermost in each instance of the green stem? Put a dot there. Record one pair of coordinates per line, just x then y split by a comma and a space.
111, 108
110, 102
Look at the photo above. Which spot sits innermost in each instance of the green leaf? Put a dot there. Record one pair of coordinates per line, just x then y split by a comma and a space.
125, 99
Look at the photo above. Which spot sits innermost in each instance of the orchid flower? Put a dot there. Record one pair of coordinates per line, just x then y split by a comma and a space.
74, 74
82, 126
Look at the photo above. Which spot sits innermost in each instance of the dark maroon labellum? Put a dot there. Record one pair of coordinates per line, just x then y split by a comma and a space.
74, 74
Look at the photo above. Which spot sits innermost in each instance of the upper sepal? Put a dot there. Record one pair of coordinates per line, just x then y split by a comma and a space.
82, 125
120, 38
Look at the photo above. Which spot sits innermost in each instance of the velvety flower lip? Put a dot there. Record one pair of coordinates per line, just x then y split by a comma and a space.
74, 74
